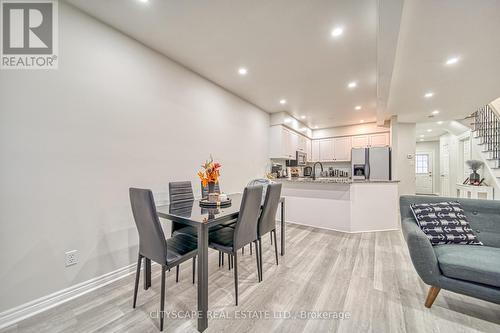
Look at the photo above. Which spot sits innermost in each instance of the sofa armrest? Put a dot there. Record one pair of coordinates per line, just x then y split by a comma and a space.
421, 252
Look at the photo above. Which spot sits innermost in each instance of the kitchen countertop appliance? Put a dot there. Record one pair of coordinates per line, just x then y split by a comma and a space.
371, 163
307, 171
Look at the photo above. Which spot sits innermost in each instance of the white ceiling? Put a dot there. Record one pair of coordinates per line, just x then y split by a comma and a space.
432, 31
289, 52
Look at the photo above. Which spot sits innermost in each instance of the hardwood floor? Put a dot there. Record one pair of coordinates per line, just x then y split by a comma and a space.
369, 276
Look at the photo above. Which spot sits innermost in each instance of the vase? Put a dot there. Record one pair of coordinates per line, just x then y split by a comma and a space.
211, 187
474, 178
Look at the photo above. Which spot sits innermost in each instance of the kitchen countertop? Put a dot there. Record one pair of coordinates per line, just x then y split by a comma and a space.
328, 180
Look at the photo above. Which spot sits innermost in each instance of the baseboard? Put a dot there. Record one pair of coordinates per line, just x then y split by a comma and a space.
23, 311
346, 232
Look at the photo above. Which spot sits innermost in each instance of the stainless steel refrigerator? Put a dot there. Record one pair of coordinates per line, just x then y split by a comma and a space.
371, 163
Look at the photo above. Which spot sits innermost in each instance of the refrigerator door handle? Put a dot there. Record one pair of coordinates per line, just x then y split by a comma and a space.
367, 164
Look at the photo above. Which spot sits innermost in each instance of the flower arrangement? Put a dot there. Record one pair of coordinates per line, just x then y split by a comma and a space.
210, 172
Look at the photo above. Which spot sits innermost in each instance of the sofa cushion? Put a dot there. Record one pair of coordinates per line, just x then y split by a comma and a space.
480, 264
444, 223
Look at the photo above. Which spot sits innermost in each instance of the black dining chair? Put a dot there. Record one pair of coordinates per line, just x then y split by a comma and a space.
181, 194
167, 253
230, 240
267, 219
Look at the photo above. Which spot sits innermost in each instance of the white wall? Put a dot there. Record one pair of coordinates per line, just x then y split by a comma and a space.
360, 129
432, 146
403, 155
73, 140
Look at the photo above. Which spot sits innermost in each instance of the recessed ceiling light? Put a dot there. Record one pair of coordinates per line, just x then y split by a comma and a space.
421, 140
288, 120
143, 1
421, 135
282, 101
452, 61
358, 107
352, 84
429, 94
435, 112
243, 71
440, 123
302, 117
337, 32
316, 127
429, 130
361, 121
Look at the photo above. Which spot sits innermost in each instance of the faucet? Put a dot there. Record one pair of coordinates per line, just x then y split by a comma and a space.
314, 170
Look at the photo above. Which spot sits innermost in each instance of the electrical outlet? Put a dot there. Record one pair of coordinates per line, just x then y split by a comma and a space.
71, 258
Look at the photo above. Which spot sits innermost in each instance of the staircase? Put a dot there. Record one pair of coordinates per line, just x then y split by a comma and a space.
486, 134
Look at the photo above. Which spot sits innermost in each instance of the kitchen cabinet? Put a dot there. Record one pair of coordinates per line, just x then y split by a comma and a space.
371, 140
284, 143
326, 150
309, 150
342, 149
360, 141
380, 140
315, 151
302, 144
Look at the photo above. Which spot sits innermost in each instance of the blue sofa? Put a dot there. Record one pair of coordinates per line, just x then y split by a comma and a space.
465, 269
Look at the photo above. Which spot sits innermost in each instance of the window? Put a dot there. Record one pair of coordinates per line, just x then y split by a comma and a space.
422, 163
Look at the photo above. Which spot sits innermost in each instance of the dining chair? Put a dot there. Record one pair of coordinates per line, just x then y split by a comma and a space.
181, 193
167, 253
260, 182
230, 240
267, 219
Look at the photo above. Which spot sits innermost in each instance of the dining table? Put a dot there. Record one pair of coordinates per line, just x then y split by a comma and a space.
190, 213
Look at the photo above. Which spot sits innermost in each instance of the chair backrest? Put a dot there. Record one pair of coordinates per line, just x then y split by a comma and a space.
179, 192
261, 182
204, 190
267, 220
246, 225
152, 243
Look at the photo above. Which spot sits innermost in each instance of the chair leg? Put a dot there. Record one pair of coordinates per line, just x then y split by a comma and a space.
219, 259
194, 268
271, 239
162, 300
431, 296
222, 257
177, 273
235, 263
137, 276
261, 261
243, 250
257, 260
250, 248
275, 246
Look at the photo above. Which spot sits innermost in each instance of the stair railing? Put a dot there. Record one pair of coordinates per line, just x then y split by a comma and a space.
486, 126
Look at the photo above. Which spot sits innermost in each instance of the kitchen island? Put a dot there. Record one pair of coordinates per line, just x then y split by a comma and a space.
342, 204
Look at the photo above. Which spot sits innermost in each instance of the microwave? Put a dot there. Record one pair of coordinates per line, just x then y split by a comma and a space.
301, 158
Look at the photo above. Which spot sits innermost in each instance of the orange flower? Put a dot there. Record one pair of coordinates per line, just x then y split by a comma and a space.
211, 172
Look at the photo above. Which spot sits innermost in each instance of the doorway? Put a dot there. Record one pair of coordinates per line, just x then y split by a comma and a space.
423, 173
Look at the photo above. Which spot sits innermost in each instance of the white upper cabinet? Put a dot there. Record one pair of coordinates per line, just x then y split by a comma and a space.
371, 140
360, 141
342, 149
284, 143
309, 150
326, 150
315, 150
380, 140
302, 144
